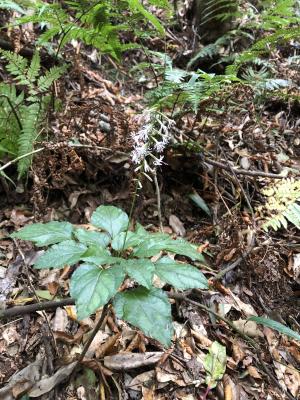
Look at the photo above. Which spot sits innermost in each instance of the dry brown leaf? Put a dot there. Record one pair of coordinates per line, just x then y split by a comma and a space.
249, 328
48, 383
148, 394
60, 320
99, 339
141, 379
126, 361
163, 377
238, 352
292, 380
22, 381
177, 225
202, 339
107, 346
253, 372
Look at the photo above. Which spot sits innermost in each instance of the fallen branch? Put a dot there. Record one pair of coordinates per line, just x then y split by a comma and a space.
239, 171
28, 52
31, 308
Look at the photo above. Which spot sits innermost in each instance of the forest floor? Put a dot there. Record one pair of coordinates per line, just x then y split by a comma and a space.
66, 183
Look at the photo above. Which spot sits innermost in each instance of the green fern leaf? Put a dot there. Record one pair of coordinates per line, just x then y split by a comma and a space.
30, 122
44, 82
34, 67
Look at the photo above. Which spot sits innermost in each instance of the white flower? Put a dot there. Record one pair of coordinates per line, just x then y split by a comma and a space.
158, 161
139, 153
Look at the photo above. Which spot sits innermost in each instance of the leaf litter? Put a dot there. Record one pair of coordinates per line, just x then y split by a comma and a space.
205, 351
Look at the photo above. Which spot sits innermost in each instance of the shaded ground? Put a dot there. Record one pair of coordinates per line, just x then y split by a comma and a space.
68, 183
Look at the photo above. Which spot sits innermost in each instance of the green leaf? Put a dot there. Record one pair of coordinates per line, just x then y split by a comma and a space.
140, 270
215, 364
34, 67
181, 276
92, 237
59, 255
99, 256
92, 287
148, 310
270, 323
45, 234
135, 5
153, 245
197, 199
110, 219
119, 243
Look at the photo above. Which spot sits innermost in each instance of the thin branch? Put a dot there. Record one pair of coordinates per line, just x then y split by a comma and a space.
239, 171
237, 262
31, 308
20, 158
13, 110
93, 334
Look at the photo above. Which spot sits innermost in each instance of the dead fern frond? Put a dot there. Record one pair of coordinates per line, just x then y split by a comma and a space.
282, 204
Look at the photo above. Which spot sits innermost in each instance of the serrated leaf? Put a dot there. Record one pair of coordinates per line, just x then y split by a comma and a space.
148, 310
270, 323
93, 286
215, 364
140, 270
99, 256
59, 255
45, 234
181, 276
111, 219
153, 245
92, 237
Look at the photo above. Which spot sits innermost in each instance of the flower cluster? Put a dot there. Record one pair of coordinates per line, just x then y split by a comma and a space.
151, 139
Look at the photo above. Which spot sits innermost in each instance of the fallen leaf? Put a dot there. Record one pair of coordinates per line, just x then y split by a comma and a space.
249, 328
253, 372
139, 380
60, 320
48, 383
126, 361
177, 225
22, 381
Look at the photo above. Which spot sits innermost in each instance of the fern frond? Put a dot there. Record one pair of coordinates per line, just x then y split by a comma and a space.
282, 204
28, 135
34, 67
17, 66
45, 81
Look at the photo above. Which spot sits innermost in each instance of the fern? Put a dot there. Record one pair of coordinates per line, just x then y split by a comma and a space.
19, 121
282, 204
30, 123
98, 23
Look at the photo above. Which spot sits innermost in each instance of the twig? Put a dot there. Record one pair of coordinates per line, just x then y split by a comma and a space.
158, 200
237, 262
20, 158
35, 294
93, 334
31, 308
239, 171
241, 187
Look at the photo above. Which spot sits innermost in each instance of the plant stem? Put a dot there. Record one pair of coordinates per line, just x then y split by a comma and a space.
158, 200
93, 334
13, 110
